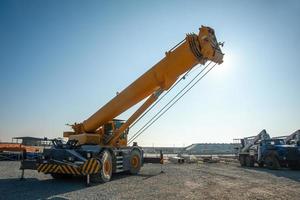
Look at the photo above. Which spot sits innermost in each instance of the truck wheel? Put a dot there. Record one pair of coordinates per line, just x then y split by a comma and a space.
242, 160
261, 164
272, 162
293, 165
105, 173
135, 161
249, 161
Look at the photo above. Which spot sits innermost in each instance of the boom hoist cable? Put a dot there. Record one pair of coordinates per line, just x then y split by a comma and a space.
175, 99
173, 86
137, 133
182, 78
162, 111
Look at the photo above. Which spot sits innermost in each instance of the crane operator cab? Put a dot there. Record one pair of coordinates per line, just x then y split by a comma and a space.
108, 130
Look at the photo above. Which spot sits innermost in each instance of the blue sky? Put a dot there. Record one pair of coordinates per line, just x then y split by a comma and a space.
62, 60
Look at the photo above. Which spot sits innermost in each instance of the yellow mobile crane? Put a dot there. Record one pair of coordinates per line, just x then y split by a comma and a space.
97, 147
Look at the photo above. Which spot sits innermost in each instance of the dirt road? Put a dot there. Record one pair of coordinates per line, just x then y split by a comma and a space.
186, 181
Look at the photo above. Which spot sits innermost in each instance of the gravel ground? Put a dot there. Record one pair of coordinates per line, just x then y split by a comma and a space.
185, 181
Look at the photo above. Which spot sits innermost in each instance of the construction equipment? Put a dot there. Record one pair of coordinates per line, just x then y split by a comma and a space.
16, 151
271, 152
294, 138
98, 147
17, 147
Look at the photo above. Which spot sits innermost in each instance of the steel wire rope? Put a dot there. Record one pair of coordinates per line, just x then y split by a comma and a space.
145, 128
168, 103
150, 122
182, 78
199, 57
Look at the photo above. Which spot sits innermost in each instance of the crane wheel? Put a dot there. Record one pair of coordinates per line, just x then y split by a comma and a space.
105, 173
272, 162
135, 161
294, 165
261, 164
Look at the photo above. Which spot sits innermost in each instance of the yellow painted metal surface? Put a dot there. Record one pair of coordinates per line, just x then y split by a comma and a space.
48, 168
133, 117
193, 50
86, 138
91, 166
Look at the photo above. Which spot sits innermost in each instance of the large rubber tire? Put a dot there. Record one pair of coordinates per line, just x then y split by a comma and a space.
249, 161
242, 160
135, 161
105, 173
294, 165
272, 163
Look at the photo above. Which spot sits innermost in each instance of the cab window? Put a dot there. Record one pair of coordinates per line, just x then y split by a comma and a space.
108, 127
118, 124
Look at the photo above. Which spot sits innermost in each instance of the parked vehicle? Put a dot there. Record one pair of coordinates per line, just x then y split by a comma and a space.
273, 153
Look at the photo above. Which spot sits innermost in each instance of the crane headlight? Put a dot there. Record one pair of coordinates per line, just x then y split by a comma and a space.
70, 158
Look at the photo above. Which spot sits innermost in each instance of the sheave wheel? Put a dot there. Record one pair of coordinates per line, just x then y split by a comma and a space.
106, 168
135, 162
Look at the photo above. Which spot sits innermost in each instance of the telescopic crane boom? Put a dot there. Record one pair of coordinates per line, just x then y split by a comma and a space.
194, 49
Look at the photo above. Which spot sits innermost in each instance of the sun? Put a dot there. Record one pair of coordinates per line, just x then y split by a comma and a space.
224, 69
228, 61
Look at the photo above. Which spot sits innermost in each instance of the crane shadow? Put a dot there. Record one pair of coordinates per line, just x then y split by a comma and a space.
32, 188
127, 174
147, 176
